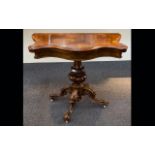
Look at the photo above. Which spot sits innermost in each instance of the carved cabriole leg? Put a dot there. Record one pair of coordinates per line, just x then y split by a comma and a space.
67, 115
77, 89
63, 92
73, 99
88, 91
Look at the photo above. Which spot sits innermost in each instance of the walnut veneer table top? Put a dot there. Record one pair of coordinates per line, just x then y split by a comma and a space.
77, 46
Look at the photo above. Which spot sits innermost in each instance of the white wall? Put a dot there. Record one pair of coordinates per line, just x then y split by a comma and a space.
29, 57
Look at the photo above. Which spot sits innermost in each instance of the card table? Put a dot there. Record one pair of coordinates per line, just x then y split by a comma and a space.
77, 47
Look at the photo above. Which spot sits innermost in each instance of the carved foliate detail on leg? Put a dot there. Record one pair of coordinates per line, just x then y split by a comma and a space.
77, 89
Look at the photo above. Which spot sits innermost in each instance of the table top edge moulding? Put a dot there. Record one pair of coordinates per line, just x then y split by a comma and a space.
77, 46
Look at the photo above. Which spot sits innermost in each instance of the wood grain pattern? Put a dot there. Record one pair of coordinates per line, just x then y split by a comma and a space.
77, 46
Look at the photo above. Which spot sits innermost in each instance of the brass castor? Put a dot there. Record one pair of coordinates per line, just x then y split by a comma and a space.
67, 117
53, 98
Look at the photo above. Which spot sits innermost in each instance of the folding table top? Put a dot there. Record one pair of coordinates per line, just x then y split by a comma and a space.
77, 46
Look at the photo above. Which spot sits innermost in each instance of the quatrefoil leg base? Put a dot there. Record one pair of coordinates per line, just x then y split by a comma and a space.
76, 90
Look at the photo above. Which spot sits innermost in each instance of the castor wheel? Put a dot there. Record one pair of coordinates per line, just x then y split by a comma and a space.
67, 117
104, 106
52, 98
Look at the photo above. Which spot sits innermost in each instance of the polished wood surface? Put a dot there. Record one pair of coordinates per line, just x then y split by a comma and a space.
77, 46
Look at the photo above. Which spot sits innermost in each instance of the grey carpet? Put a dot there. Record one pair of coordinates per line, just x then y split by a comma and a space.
111, 80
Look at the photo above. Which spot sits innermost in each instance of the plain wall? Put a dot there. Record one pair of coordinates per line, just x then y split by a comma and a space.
29, 57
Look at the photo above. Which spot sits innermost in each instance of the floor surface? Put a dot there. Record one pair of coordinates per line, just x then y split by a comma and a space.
111, 80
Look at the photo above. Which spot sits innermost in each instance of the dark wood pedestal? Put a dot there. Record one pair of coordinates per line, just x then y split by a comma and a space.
77, 89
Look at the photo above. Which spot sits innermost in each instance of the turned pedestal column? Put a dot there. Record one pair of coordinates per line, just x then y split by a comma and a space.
77, 89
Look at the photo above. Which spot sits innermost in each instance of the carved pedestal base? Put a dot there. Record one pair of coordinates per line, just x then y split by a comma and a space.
77, 89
